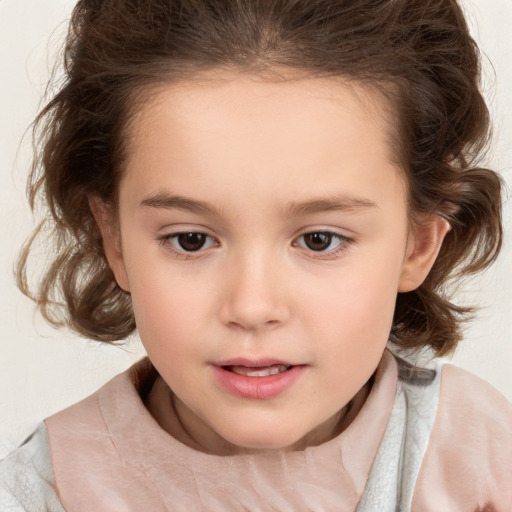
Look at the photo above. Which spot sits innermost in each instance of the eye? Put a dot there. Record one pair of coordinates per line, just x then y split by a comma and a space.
321, 241
188, 242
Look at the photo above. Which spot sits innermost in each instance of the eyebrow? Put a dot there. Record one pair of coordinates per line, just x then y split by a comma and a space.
170, 201
326, 204
346, 203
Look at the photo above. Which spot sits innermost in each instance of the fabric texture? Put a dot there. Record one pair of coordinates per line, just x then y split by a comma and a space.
138, 465
27, 481
420, 443
396, 467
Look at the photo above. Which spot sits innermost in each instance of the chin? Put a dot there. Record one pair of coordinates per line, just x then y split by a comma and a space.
269, 441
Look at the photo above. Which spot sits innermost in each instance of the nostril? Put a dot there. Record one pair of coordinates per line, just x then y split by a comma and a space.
248, 325
252, 308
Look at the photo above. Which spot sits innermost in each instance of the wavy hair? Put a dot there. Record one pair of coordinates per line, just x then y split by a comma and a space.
419, 53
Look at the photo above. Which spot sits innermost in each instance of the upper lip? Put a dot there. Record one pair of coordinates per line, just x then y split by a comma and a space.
253, 363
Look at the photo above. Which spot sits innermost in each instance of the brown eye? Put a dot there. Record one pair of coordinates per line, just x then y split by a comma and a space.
318, 241
322, 242
191, 242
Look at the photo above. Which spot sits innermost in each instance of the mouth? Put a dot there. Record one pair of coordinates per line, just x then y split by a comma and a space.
262, 379
257, 371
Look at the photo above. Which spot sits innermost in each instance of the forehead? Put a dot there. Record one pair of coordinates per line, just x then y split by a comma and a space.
291, 131
213, 96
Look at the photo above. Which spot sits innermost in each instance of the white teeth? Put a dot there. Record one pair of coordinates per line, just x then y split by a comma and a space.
259, 372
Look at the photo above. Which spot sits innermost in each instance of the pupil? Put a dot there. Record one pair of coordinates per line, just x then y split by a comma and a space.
191, 241
317, 241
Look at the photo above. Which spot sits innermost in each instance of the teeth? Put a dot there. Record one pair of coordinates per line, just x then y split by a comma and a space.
259, 372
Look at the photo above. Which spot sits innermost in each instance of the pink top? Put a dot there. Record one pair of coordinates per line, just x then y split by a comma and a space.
109, 454
468, 464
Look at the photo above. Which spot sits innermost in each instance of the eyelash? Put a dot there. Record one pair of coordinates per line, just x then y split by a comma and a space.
342, 245
170, 243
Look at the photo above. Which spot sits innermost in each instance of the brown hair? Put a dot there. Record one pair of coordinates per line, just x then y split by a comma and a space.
418, 52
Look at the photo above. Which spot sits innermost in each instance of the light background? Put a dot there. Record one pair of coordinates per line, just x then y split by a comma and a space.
43, 370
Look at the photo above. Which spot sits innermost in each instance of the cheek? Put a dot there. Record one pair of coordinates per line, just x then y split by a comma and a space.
370, 300
356, 307
354, 327
166, 310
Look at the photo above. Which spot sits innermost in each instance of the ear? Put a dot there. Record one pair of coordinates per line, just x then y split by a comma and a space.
109, 229
422, 249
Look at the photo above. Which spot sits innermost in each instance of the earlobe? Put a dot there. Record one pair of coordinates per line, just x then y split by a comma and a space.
107, 225
422, 249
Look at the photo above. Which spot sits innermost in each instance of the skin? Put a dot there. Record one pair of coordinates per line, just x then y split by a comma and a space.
271, 161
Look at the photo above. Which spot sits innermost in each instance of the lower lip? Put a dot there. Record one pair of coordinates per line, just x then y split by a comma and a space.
260, 388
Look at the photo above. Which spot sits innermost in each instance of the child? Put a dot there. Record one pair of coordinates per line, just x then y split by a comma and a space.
272, 193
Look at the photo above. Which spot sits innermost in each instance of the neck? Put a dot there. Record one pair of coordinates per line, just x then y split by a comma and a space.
180, 422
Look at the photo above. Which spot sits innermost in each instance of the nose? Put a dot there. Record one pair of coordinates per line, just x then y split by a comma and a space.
253, 294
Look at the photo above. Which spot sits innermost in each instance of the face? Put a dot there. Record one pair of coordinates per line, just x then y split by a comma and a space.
263, 237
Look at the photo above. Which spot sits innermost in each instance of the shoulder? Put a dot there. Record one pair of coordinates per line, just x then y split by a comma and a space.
468, 461
468, 398
26, 477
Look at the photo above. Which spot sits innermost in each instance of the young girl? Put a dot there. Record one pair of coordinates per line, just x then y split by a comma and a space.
274, 194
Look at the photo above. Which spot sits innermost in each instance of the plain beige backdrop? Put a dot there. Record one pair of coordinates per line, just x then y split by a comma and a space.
43, 370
